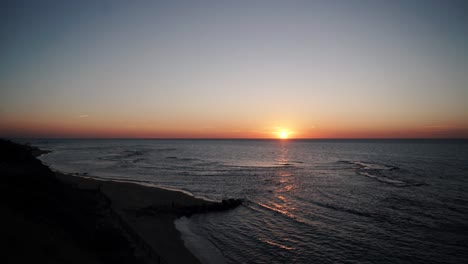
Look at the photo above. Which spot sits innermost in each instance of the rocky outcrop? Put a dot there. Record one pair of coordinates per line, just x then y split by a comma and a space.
181, 210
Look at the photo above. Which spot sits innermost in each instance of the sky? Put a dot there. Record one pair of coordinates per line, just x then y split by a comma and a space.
234, 69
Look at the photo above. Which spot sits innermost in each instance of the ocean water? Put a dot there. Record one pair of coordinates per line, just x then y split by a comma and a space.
306, 201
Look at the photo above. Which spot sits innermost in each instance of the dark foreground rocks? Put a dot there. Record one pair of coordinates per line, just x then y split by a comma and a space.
183, 210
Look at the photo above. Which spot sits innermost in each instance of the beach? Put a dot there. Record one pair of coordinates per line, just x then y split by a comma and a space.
55, 217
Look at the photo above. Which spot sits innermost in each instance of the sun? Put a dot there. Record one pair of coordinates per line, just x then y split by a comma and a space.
283, 134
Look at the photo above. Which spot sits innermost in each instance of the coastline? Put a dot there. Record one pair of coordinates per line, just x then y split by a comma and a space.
155, 235
143, 218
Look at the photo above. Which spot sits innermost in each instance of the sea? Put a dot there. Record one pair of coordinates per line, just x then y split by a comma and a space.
305, 201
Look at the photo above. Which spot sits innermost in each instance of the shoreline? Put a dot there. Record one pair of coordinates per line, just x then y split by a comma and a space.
157, 232
140, 183
142, 216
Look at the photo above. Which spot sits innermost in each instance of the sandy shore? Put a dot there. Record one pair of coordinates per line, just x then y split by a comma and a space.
53, 217
130, 201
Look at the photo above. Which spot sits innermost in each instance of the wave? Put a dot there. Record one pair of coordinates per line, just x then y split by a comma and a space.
132, 153
368, 165
277, 209
305, 223
383, 179
259, 207
276, 244
384, 173
374, 166
166, 149
339, 208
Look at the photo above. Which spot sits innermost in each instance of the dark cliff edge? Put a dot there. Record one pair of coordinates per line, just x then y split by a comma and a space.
44, 220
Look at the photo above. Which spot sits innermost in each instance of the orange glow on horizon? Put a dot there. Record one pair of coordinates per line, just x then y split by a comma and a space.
90, 127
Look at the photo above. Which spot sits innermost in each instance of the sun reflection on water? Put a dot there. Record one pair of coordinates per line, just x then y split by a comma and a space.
283, 177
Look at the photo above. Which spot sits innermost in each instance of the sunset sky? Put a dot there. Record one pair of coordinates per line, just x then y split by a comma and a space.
234, 69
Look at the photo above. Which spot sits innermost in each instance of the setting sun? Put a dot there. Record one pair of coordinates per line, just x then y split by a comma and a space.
283, 134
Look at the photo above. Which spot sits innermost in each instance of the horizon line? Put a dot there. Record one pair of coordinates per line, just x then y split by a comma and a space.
220, 138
